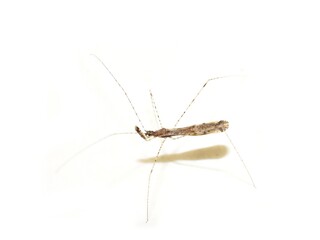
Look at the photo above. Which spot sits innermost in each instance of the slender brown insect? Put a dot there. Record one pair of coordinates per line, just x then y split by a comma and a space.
194, 130
165, 133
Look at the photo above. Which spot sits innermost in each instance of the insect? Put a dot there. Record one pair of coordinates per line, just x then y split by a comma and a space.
166, 133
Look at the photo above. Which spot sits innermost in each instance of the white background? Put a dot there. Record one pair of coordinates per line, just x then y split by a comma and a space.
56, 99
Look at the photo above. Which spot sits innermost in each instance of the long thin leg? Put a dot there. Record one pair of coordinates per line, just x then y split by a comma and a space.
181, 116
67, 161
192, 101
198, 93
150, 174
155, 108
156, 158
234, 147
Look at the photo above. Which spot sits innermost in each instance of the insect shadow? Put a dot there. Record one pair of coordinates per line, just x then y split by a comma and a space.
208, 153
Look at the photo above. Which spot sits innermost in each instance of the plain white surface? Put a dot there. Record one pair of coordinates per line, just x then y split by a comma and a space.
56, 99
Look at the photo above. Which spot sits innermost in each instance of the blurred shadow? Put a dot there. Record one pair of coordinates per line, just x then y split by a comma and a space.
214, 152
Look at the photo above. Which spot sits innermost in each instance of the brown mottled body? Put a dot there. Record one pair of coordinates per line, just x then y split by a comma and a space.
194, 130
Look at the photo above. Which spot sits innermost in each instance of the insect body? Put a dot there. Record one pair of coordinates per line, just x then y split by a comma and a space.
194, 130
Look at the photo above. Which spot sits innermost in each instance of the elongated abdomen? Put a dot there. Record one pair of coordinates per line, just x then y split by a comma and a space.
194, 130
203, 129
